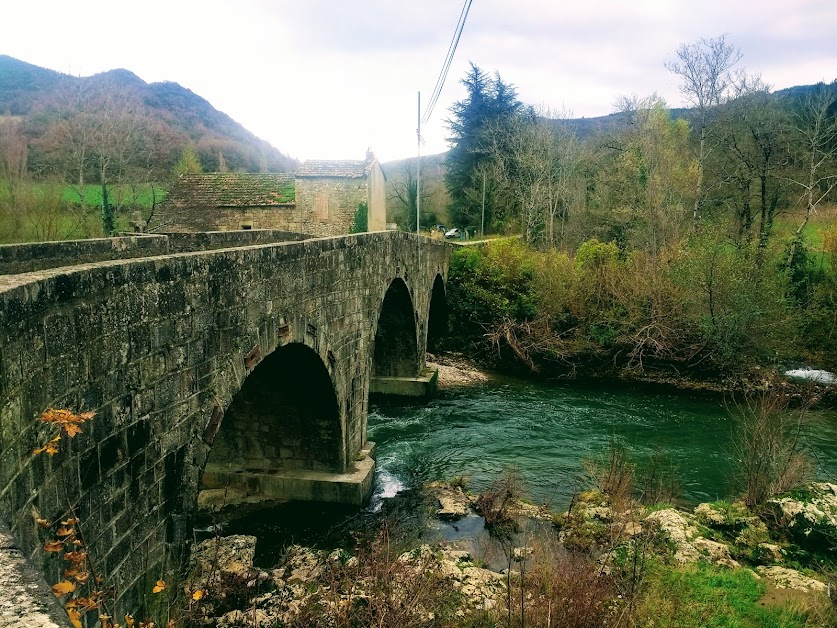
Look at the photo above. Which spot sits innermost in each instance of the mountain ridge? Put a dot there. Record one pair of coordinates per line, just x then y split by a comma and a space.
28, 91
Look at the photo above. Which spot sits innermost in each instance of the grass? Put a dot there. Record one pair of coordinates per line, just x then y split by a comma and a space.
65, 226
128, 195
702, 595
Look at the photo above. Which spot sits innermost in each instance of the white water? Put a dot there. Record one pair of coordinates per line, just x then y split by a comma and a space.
813, 375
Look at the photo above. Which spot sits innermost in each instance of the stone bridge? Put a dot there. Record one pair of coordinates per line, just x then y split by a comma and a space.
247, 367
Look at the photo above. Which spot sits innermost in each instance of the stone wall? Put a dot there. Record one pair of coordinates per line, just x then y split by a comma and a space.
25, 258
158, 348
331, 203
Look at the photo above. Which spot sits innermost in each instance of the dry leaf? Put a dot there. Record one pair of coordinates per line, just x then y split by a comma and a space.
75, 557
160, 586
82, 577
43, 523
129, 621
64, 531
63, 588
54, 546
197, 595
75, 617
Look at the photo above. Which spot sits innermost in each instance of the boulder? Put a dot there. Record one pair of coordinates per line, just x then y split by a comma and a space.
680, 531
709, 515
452, 502
717, 553
223, 556
809, 520
785, 578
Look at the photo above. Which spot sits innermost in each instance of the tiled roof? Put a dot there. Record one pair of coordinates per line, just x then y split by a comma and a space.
343, 168
232, 190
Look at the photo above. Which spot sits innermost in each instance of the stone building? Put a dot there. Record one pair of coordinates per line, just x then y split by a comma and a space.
320, 199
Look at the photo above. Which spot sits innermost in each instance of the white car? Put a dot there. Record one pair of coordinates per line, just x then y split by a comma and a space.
453, 233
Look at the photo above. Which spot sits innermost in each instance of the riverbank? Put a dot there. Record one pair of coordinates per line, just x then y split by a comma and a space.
599, 563
458, 369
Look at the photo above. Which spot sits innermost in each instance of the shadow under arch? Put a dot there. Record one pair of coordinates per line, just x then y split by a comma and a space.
285, 417
437, 315
396, 345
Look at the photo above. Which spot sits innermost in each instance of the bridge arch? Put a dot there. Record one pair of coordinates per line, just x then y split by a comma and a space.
437, 315
395, 352
286, 416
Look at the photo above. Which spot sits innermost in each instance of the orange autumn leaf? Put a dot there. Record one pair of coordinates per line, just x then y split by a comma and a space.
129, 621
75, 617
72, 429
197, 595
75, 557
51, 448
64, 531
87, 603
160, 586
63, 588
54, 546
71, 521
43, 523
82, 577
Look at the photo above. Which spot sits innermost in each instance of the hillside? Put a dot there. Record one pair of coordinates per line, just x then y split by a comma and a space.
167, 116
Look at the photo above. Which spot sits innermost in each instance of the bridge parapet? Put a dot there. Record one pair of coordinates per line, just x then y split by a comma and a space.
26, 258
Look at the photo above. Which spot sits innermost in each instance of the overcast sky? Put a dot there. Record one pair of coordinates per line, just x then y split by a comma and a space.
327, 78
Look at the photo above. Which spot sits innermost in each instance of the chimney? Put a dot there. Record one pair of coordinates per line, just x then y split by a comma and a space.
370, 156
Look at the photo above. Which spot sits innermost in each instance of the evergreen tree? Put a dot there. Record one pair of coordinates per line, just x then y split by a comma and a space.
488, 103
188, 163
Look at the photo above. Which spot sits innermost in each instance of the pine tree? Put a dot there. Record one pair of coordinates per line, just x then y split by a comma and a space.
488, 103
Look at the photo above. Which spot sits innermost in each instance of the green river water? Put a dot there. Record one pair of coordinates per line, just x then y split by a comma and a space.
546, 430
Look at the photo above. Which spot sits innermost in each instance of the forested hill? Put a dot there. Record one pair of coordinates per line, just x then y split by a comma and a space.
167, 116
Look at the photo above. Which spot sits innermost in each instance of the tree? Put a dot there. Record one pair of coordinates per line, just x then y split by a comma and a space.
813, 130
488, 102
188, 162
94, 131
644, 182
403, 187
533, 165
705, 68
753, 137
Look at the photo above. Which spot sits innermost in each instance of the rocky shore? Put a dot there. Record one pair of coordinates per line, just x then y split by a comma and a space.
315, 587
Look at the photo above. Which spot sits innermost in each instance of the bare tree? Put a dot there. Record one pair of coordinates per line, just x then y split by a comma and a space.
705, 69
814, 127
13, 154
536, 161
95, 130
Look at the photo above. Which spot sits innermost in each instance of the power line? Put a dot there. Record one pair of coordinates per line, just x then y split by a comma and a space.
443, 74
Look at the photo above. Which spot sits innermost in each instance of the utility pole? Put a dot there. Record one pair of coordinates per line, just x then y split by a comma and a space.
418, 169
482, 224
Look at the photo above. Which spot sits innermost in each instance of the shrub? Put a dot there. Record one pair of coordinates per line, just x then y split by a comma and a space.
770, 447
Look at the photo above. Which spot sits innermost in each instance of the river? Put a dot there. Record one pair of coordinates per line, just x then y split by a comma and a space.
547, 430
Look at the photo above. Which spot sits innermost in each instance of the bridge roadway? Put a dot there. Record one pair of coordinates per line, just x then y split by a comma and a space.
244, 369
